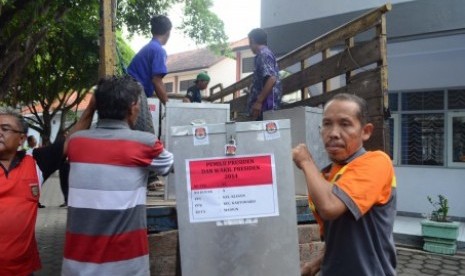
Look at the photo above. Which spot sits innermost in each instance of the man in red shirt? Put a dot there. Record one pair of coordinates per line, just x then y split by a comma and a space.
21, 176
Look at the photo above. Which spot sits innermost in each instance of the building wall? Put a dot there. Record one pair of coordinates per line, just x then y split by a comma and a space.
428, 65
279, 12
437, 62
426, 52
223, 72
416, 183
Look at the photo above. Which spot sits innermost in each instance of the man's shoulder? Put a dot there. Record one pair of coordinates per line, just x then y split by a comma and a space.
193, 88
119, 134
373, 158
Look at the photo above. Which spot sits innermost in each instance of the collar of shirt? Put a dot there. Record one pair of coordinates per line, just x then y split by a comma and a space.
15, 162
110, 123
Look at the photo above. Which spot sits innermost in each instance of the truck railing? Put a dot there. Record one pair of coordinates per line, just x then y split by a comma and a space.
352, 58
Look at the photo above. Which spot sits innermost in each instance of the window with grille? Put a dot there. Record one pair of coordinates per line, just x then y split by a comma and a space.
456, 127
247, 65
428, 128
169, 87
422, 141
185, 84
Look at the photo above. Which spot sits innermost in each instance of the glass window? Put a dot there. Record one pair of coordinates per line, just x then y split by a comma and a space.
433, 100
423, 139
169, 87
185, 84
456, 136
456, 99
247, 65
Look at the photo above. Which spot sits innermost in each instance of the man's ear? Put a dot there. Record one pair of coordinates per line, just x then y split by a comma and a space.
367, 130
22, 140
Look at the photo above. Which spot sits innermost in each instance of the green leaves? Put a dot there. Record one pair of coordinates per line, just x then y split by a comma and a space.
441, 208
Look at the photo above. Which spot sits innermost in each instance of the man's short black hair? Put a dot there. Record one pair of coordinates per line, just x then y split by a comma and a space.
362, 113
8, 111
115, 95
160, 25
258, 36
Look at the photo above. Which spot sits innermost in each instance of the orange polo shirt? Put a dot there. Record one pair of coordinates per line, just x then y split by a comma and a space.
19, 195
367, 180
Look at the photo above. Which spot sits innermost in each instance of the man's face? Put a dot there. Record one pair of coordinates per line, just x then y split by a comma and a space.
203, 84
253, 46
341, 130
11, 135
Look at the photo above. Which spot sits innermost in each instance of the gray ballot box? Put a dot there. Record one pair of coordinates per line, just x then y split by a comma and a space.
154, 108
235, 199
305, 125
181, 114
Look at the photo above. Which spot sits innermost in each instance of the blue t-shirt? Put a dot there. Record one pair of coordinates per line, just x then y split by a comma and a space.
148, 62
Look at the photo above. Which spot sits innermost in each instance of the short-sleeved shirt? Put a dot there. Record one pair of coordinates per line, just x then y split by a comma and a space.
106, 231
193, 94
265, 67
150, 61
360, 241
19, 195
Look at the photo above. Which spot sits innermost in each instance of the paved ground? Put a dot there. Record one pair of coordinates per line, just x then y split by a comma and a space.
51, 223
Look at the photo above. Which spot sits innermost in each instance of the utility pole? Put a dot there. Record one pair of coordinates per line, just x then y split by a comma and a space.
107, 38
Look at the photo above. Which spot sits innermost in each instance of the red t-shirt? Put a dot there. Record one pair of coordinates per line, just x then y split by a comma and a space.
19, 195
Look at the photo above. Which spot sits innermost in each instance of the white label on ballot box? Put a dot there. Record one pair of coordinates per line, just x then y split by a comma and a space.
238, 187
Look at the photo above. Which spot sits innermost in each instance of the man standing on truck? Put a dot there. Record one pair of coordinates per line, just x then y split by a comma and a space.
266, 89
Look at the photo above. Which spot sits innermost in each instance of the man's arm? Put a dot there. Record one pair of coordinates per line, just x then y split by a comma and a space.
160, 90
311, 268
50, 158
327, 204
267, 88
84, 121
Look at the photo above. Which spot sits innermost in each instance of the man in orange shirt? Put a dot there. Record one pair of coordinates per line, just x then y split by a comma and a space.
21, 176
354, 198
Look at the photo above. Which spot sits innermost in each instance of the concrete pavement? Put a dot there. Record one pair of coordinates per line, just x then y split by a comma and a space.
51, 225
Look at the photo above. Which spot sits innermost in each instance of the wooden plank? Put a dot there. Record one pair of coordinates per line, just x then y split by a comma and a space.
377, 140
304, 90
363, 84
107, 61
349, 44
326, 83
328, 40
358, 56
245, 82
239, 104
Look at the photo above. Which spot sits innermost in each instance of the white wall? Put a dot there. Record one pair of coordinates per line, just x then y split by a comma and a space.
427, 63
414, 184
281, 12
223, 72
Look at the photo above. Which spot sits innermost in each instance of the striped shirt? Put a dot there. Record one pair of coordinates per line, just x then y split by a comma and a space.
106, 229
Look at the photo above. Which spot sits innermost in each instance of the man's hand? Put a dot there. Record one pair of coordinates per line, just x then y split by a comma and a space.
301, 155
311, 268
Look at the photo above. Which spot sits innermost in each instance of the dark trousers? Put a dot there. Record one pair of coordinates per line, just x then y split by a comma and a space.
64, 179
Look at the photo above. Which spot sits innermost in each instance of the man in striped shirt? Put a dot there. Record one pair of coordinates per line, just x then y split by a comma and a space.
107, 230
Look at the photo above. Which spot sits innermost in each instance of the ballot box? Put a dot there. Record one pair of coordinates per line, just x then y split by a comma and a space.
154, 108
180, 114
305, 126
235, 199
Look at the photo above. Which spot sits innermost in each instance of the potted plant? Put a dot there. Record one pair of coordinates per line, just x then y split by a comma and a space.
439, 232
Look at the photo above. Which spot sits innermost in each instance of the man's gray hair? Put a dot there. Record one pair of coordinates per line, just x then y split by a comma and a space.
8, 111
